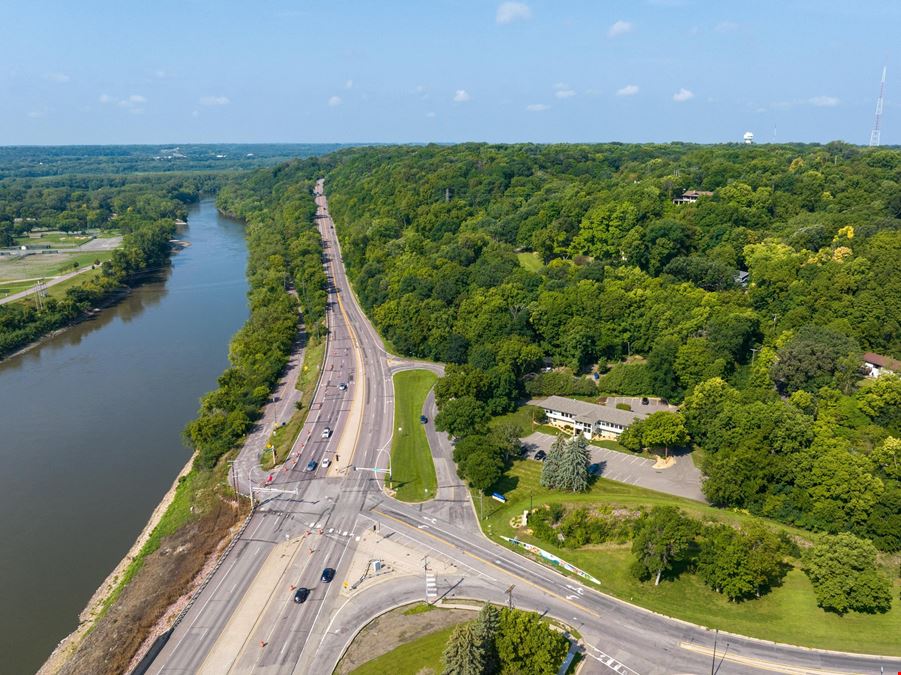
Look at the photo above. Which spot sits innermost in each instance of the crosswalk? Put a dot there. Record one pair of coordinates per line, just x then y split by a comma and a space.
431, 588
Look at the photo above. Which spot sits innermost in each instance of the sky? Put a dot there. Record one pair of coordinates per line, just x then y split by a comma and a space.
167, 71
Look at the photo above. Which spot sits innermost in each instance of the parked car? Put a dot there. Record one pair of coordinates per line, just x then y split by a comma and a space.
541, 455
328, 574
311, 466
301, 595
326, 463
423, 419
594, 469
644, 400
326, 433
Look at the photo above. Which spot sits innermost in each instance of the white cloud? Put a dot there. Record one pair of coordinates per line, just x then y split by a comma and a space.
619, 28
563, 90
134, 103
214, 100
725, 27
349, 84
334, 101
462, 96
537, 107
683, 95
628, 90
37, 114
60, 78
431, 114
195, 113
824, 101
508, 12
105, 98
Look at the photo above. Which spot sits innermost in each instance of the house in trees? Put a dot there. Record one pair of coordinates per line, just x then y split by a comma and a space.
875, 365
593, 420
691, 196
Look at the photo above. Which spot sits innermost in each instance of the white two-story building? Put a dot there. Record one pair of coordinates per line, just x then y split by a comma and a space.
591, 419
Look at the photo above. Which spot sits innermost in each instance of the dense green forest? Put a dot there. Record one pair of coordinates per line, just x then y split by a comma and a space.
494, 258
142, 209
285, 252
34, 161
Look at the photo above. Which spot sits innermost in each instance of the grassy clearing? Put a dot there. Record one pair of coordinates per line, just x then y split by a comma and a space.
413, 472
786, 614
282, 439
421, 608
522, 417
530, 261
413, 658
48, 264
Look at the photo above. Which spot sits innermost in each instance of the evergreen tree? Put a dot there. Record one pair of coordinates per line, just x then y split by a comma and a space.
464, 653
572, 470
550, 471
486, 628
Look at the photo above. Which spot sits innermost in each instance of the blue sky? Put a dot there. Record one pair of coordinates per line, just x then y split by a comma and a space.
445, 70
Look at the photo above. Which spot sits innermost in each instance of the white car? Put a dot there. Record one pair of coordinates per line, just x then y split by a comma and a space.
325, 463
326, 433
342, 386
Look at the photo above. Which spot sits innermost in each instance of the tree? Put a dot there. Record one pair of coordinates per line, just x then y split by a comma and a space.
486, 628
815, 357
550, 468
740, 564
526, 644
663, 537
887, 456
704, 404
842, 569
464, 653
462, 416
663, 429
880, 400
507, 437
661, 362
568, 467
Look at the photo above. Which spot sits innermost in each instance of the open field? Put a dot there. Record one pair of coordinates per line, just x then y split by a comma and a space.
413, 472
422, 655
530, 261
55, 239
47, 264
786, 614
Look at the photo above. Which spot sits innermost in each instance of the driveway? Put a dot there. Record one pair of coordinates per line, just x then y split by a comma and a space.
682, 479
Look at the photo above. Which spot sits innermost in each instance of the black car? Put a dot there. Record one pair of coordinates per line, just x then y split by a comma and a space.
328, 574
423, 419
541, 455
301, 595
644, 400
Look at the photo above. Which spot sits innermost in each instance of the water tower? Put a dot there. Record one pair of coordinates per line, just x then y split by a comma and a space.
748, 137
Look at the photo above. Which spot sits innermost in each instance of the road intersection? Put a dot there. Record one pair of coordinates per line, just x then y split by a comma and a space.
244, 620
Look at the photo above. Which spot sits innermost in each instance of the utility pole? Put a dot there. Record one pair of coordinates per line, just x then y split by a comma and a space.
509, 594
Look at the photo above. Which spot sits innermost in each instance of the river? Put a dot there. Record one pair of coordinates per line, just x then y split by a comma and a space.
90, 432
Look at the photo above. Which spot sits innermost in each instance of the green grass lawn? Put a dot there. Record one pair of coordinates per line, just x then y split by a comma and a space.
411, 658
522, 417
530, 261
413, 472
786, 614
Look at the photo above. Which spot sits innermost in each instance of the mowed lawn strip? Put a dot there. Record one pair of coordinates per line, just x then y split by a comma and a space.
786, 614
411, 658
413, 472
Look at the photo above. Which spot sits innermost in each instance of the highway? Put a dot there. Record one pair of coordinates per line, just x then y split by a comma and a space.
239, 626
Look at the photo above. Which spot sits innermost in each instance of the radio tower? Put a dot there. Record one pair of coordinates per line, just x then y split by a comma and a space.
874, 134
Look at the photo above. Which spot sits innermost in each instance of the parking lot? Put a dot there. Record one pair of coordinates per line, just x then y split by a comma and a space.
683, 479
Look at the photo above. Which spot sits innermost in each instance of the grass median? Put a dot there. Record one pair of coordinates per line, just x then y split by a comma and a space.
787, 613
413, 472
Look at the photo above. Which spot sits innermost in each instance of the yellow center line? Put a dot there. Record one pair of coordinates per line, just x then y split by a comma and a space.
488, 562
761, 664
